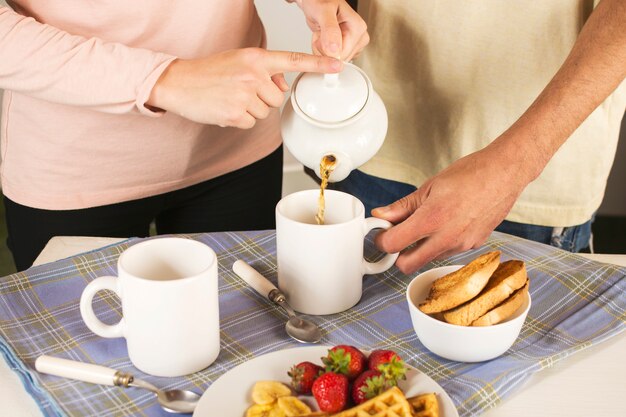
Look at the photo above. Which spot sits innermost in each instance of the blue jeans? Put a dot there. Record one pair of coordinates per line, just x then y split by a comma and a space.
376, 192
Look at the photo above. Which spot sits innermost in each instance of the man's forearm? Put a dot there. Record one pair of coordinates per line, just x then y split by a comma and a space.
592, 71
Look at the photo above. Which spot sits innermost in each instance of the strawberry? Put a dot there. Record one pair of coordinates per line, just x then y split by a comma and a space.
346, 360
302, 376
390, 365
368, 385
331, 392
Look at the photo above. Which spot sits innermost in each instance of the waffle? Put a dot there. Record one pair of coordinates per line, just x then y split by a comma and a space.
391, 403
424, 405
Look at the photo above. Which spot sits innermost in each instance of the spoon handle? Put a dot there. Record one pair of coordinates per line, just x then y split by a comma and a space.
81, 371
257, 281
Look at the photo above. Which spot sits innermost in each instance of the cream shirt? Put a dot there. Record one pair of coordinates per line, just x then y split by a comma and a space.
454, 74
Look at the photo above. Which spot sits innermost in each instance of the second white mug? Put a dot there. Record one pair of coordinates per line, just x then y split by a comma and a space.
168, 287
321, 267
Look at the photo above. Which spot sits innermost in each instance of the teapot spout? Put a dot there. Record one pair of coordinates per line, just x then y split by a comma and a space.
341, 169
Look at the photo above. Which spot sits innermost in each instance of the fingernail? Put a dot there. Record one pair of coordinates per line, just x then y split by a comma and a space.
336, 65
333, 48
383, 209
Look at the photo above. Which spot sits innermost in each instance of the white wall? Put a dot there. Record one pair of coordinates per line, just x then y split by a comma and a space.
287, 31
285, 25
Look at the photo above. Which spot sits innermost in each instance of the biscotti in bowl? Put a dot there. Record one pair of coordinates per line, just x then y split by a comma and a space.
473, 312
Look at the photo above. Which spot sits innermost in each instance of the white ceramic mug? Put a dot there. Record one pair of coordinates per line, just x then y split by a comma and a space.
168, 289
321, 267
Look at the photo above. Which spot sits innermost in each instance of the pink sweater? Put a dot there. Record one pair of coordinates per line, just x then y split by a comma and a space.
75, 131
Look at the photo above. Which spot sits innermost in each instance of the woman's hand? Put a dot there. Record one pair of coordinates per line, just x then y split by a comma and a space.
233, 88
338, 30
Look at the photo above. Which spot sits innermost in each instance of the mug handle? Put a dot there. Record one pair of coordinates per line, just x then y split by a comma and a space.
86, 309
389, 259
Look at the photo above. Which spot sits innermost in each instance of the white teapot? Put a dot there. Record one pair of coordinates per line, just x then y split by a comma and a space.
334, 114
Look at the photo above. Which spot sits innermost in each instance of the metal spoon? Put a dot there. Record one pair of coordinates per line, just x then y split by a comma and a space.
173, 401
302, 330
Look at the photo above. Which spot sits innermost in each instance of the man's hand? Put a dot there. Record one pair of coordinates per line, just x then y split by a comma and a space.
338, 30
233, 88
457, 209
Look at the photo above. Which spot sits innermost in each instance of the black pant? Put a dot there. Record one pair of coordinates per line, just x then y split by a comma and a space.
241, 200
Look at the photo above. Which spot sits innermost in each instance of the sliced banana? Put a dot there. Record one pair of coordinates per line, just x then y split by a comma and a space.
266, 392
277, 412
293, 407
260, 410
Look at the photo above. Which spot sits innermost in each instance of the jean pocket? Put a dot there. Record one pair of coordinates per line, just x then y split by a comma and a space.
573, 238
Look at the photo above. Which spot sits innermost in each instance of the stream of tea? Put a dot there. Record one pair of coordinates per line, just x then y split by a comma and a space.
327, 165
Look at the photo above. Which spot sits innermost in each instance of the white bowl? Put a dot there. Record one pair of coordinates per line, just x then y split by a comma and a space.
460, 343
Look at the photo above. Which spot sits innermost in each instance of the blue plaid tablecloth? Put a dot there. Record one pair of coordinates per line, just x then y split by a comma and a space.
576, 303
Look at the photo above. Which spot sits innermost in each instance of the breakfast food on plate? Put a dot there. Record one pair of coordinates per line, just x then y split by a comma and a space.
347, 360
283, 407
482, 293
292, 406
394, 366
348, 377
461, 285
370, 376
507, 278
267, 392
367, 385
303, 375
424, 405
391, 403
330, 390
274, 399
259, 410
504, 310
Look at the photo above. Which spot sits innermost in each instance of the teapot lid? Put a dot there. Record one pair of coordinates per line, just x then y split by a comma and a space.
332, 98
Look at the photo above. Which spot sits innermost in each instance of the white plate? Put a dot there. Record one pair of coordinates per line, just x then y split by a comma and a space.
230, 395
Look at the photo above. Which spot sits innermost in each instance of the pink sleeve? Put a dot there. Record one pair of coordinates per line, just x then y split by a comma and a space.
44, 62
